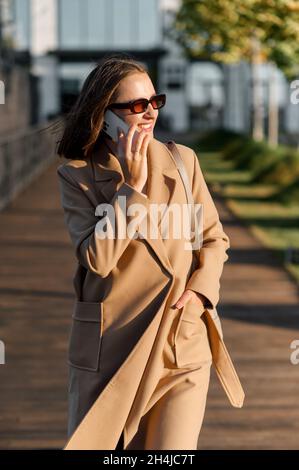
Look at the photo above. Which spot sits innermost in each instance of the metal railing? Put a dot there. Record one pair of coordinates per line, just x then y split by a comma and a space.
23, 156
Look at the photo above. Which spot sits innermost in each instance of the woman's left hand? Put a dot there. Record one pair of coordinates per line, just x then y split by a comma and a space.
190, 296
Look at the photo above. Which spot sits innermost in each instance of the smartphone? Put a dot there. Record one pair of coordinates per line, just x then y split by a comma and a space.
112, 122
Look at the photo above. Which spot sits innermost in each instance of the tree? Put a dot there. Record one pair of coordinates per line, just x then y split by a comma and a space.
227, 31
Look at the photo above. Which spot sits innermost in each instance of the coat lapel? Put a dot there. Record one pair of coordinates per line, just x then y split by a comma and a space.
162, 173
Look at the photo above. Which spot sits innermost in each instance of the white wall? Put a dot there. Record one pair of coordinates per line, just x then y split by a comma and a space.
43, 26
109, 24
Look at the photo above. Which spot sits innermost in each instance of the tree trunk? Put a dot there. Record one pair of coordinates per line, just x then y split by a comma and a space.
273, 121
258, 124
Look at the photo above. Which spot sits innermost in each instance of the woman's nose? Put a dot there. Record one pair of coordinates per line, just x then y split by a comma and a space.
150, 112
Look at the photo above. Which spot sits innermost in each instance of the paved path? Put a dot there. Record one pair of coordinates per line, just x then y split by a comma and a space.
259, 311
36, 297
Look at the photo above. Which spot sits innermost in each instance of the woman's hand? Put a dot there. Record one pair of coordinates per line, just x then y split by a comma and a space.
191, 296
134, 157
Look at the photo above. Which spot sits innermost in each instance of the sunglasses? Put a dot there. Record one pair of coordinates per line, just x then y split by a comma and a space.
140, 105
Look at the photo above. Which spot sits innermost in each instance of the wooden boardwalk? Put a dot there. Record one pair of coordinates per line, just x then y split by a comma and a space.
259, 311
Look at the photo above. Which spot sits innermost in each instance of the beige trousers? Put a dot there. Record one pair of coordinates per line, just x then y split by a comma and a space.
176, 410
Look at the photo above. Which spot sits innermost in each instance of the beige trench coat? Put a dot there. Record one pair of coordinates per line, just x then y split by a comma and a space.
126, 287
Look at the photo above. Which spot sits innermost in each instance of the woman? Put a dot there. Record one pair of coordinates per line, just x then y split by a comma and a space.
144, 318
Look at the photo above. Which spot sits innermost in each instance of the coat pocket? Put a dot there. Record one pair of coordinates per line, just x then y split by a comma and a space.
191, 342
86, 335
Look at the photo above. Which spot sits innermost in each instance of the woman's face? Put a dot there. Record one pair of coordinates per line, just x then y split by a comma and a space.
137, 85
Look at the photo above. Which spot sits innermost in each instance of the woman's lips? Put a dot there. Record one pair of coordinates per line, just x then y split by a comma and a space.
148, 127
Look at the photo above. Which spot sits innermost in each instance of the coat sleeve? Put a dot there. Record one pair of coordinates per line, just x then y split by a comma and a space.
87, 227
212, 254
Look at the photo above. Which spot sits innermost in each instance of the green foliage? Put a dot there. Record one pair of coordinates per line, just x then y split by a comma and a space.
263, 163
222, 31
216, 140
283, 171
288, 193
235, 147
252, 154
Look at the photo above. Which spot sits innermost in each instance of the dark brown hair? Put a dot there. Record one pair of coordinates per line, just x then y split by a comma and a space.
84, 121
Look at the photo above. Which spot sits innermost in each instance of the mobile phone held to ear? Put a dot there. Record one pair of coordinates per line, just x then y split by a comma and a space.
112, 122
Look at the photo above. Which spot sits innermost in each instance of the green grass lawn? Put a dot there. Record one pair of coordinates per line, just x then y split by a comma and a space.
274, 224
